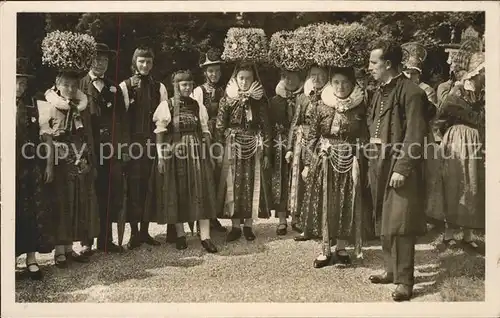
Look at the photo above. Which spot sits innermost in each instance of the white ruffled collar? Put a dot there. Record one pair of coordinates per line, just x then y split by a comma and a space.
62, 103
355, 98
255, 91
309, 87
283, 92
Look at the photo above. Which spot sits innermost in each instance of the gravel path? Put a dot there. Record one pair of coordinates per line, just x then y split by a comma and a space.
270, 269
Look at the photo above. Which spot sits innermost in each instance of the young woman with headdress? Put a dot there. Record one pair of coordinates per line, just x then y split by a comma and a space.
184, 187
65, 117
243, 127
333, 177
142, 94
415, 54
297, 149
281, 113
461, 120
32, 208
209, 94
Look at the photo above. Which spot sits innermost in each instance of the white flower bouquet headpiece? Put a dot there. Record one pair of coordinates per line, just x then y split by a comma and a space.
305, 41
68, 51
287, 51
245, 45
343, 45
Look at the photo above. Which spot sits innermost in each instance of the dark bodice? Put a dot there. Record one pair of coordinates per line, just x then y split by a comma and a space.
211, 99
185, 115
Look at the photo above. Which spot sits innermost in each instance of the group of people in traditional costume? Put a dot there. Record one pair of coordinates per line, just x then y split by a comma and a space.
301, 153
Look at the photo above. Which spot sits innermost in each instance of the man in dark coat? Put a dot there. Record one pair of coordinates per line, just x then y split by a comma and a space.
398, 125
108, 124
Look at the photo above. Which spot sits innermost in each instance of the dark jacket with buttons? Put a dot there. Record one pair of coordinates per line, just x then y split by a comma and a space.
398, 121
109, 121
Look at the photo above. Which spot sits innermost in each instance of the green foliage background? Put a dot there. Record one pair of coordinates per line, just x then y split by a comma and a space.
177, 38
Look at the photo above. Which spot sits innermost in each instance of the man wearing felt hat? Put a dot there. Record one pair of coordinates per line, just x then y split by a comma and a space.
108, 125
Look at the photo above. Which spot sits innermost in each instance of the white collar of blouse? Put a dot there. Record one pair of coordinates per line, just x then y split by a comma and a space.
62, 103
283, 92
355, 98
309, 87
255, 91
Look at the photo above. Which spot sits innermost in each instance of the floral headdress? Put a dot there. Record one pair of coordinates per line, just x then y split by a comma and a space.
245, 44
287, 51
305, 41
68, 52
343, 45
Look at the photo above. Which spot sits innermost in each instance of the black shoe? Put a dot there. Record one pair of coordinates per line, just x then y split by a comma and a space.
343, 258
402, 293
109, 247
234, 234
216, 226
181, 243
382, 279
281, 229
75, 257
248, 233
301, 238
470, 245
135, 241
34, 275
209, 246
61, 263
319, 263
146, 238
87, 250
450, 244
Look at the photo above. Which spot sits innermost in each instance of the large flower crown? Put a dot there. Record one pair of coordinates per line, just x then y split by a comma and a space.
288, 50
68, 51
342, 45
245, 44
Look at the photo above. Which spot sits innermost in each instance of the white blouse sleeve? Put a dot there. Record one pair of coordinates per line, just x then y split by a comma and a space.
197, 95
203, 119
45, 114
126, 98
163, 93
162, 117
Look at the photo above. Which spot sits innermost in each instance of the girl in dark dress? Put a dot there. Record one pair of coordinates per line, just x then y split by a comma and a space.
184, 186
32, 208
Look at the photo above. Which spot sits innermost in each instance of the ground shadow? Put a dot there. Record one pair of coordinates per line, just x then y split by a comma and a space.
58, 285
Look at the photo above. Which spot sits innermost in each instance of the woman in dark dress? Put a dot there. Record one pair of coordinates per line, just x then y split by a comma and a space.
184, 187
209, 94
243, 126
32, 171
461, 120
333, 192
65, 117
297, 147
281, 112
